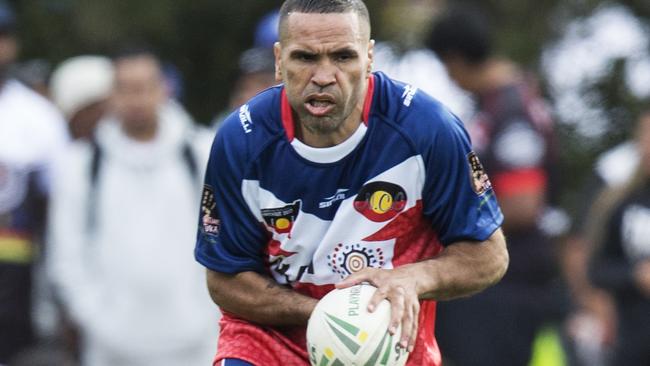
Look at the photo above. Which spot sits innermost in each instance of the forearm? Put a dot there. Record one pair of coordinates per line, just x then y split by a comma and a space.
259, 299
462, 269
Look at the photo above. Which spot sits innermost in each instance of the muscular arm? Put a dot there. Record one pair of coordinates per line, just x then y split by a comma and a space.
462, 269
259, 299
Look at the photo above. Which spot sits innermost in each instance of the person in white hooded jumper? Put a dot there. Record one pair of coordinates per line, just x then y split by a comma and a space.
122, 229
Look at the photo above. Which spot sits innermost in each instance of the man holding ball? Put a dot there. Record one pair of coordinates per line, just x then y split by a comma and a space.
336, 177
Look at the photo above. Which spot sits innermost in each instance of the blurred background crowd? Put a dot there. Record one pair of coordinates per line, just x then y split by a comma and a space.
108, 108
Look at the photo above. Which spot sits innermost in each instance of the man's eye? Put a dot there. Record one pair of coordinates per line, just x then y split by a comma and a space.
344, 57
305, 57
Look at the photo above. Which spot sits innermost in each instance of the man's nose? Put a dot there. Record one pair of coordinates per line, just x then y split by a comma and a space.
324, 75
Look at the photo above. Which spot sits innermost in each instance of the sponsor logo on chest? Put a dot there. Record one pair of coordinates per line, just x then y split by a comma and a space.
329, 201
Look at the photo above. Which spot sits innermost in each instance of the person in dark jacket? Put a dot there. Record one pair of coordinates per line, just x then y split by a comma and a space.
622, 263
512, 133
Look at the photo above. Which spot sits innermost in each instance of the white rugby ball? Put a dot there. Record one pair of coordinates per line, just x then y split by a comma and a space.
342, 332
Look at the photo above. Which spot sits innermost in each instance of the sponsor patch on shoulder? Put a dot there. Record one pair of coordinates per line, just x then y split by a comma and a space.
478, 177
209, 221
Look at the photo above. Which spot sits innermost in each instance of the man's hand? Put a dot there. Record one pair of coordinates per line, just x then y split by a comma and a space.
642, 277
461, 269
398, 286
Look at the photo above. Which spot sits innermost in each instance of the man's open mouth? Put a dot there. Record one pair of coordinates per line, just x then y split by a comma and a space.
320, 105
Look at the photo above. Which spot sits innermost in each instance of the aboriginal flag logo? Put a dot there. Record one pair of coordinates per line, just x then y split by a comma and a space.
380, 201
281, 219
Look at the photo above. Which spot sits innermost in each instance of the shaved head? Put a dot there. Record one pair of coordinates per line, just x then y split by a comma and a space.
324, 7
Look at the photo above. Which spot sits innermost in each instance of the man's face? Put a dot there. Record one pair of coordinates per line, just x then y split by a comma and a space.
324, 61
138, 91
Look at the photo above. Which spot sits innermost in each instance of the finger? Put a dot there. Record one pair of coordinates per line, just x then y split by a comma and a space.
407, 325
356, 278
380, 294
416, 323
397, 303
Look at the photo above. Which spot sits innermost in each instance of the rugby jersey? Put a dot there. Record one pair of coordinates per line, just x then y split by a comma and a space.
404, 185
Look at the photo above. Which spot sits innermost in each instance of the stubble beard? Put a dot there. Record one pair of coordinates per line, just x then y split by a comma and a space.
326, 124
322, 125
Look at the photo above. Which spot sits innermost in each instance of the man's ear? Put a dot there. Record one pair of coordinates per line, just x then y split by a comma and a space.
277, 51
371, 55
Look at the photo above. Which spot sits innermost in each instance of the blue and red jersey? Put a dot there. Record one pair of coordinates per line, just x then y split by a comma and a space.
397, 191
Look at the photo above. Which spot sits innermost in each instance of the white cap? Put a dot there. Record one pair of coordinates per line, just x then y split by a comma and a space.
81, 81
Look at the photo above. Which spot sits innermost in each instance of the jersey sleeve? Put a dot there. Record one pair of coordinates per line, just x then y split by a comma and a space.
230, 238
457, 194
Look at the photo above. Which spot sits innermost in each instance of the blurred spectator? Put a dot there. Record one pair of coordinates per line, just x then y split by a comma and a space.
591, 326
32, 132
622, 263
256, 73
35, 74
256, 66
400, 52
266, 31
512, 133
122, 227
609, 37
80, 87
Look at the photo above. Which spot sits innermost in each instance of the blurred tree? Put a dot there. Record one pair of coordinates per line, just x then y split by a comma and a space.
596, 90
203, 38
